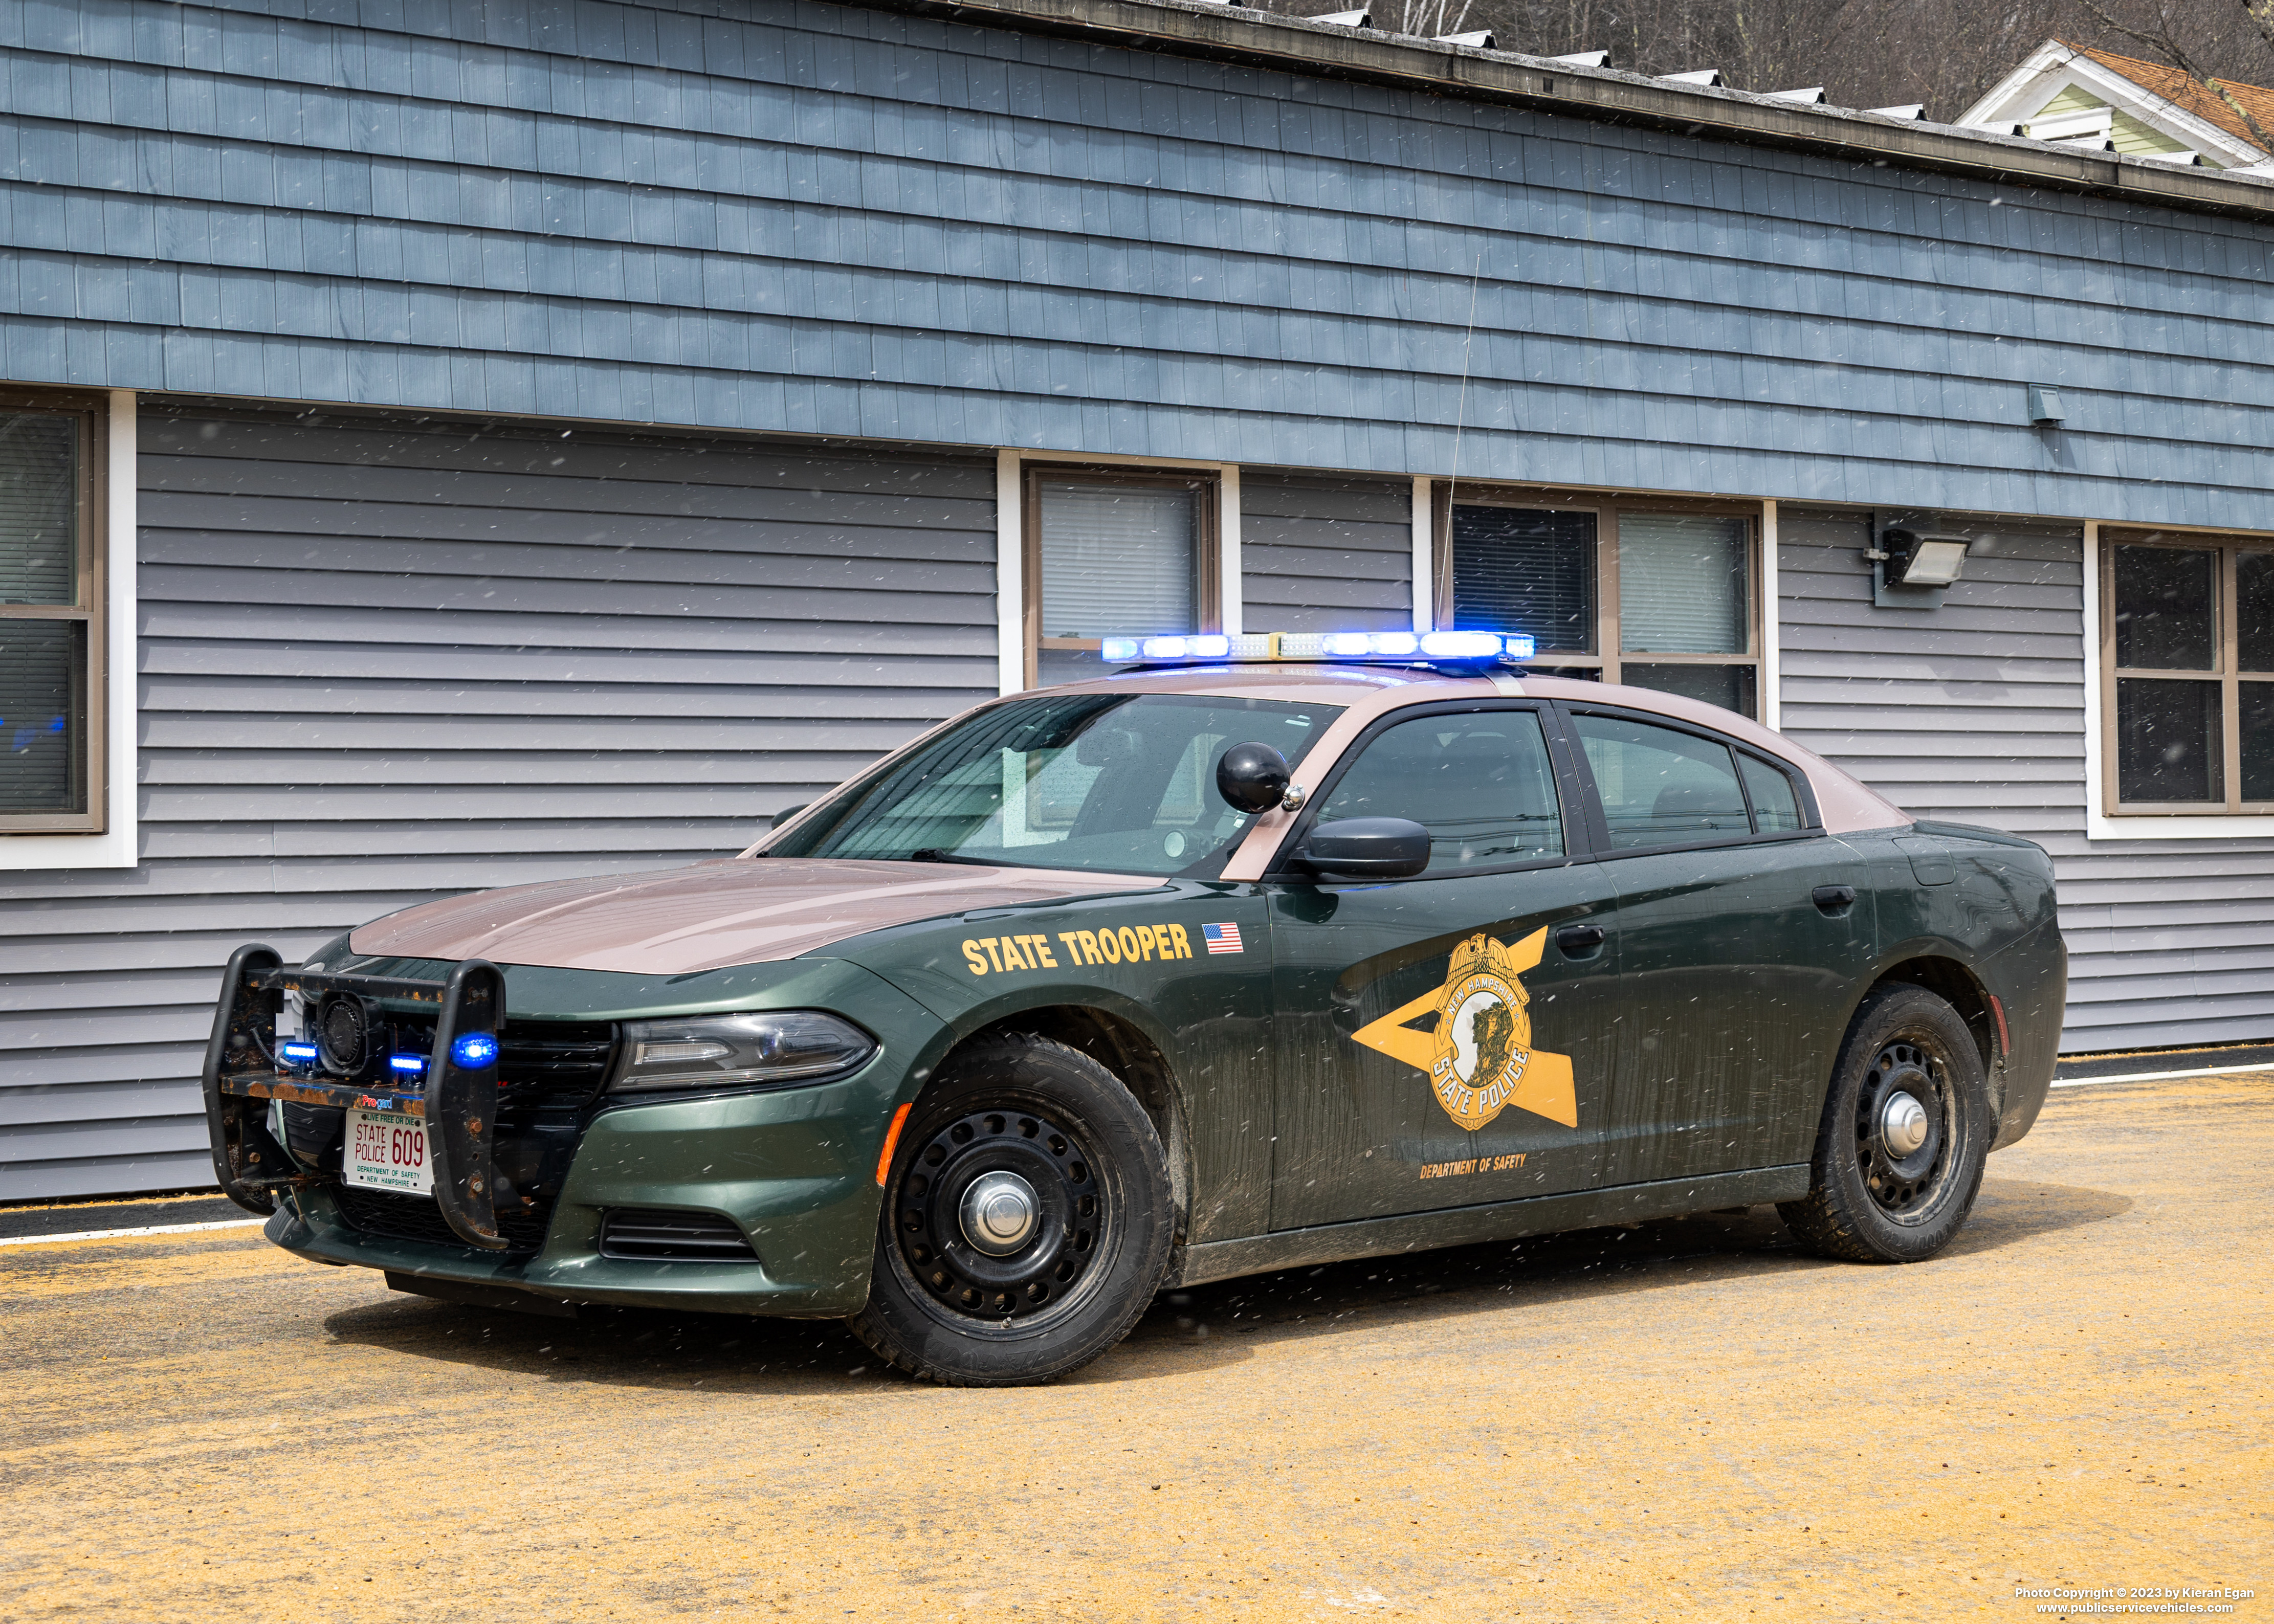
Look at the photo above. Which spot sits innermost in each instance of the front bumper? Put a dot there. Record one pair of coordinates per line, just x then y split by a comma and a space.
795, 1168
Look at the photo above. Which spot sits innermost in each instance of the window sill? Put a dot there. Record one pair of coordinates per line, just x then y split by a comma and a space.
2178, 826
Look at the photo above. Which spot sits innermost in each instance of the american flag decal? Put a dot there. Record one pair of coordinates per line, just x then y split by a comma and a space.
1222, 938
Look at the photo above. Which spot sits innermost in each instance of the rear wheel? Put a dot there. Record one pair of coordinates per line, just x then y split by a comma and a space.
1027, 1221
1906, 1132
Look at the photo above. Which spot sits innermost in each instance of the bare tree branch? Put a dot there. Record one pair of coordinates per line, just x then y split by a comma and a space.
2163, 39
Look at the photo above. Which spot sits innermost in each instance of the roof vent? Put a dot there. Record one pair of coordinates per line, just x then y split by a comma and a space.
1710, 77
1585, 59
1481, 40
1813, 97
1361, 19
1905, 110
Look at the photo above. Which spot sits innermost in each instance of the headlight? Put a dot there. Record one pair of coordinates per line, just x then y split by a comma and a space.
730, 1051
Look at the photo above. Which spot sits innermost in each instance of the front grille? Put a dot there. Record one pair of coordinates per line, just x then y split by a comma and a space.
548, 1072
679, 1237
417, 1218
552, 1065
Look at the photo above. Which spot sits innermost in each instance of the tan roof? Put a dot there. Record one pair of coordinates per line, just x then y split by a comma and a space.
2183, 92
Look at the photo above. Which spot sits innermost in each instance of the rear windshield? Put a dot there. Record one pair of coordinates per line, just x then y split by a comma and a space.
1118, 783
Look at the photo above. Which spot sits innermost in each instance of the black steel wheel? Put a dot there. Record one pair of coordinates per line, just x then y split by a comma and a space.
1905, 1134
1026, 1220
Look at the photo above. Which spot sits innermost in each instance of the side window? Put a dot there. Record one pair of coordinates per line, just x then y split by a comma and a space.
1479, 783
1660, 787
1776, 809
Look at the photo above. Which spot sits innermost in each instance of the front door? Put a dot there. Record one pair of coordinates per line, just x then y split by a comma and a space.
1444, 1040
1743, 932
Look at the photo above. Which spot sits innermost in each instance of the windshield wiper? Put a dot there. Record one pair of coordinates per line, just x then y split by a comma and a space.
941, 855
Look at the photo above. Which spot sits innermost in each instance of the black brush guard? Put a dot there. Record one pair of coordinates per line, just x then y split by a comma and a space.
458, 1104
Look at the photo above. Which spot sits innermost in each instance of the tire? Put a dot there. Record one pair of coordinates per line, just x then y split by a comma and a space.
1868, 1201
1080, 1241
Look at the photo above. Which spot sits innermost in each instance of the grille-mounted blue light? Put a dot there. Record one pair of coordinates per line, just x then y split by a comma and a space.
411, 1065
1266, 646
298, 1054
474, 1050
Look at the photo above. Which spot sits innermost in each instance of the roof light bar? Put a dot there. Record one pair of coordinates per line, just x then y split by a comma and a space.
1267, 646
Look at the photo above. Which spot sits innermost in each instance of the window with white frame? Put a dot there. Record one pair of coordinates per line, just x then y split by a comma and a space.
51, 618
1649, 594
1114, 552
2186, 644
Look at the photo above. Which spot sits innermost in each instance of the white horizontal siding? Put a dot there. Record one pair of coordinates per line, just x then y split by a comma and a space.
381, 664
1974, 711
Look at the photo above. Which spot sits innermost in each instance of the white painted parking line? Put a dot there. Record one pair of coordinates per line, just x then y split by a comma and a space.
2159, 1077
121, 1234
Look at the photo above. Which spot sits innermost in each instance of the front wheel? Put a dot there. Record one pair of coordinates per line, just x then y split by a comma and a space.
1905, 1133
1026, 1220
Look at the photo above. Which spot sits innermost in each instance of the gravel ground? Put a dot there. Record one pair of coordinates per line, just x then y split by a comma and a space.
1684, 1420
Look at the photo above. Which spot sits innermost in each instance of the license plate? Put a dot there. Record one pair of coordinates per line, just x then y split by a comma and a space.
387, 1150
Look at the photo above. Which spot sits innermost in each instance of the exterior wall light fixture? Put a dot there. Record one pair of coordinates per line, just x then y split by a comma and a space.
1911, 569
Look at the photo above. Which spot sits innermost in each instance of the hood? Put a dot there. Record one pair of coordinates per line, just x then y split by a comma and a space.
733, 911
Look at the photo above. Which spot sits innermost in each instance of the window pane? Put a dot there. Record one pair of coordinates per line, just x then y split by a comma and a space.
1117, 559
41, 718
1776, 806
2164, 604
38, 509
2257, 703
1682, 583
2167, 744
1517, 570
1110, 783
1479, 784
2254, 611
1730, 686
1661, 787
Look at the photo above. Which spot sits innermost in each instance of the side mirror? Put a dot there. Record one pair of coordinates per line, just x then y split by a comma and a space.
1367, 848
788, 813
1251, 777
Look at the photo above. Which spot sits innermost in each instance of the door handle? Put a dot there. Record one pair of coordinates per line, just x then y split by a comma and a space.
1833, 899
1579, 941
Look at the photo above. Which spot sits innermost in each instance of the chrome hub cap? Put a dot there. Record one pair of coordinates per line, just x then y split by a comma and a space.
998, 1215
1905, 1117
1000, 1212
1902, 1124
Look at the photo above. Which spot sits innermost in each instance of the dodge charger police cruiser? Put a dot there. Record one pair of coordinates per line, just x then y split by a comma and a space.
1264, 952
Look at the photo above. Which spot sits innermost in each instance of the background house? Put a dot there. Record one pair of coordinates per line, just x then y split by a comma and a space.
454, 446
2105, 102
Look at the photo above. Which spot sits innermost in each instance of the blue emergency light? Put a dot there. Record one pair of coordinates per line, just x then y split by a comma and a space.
474, 1050
298, 1054
1311, 646
410, 1064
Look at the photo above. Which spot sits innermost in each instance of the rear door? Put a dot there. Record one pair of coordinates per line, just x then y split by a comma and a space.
1744, 933
1444, 1040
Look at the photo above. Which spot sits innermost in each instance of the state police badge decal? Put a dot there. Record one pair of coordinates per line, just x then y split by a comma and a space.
1480, 1058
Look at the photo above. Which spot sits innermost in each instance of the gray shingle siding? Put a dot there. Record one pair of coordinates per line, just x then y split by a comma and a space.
381, 663
1976, 712
828, 219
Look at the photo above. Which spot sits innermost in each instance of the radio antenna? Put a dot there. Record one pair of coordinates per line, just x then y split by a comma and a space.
1461, 411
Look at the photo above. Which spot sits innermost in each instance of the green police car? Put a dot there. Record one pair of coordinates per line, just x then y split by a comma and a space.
1265, 951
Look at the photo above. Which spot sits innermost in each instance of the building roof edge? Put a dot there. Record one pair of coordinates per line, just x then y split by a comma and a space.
1295, 44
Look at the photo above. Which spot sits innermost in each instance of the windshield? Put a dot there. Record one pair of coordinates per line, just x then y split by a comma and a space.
1120, 783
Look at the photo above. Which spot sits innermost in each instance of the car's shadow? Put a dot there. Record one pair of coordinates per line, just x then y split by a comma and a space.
1187, 1328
